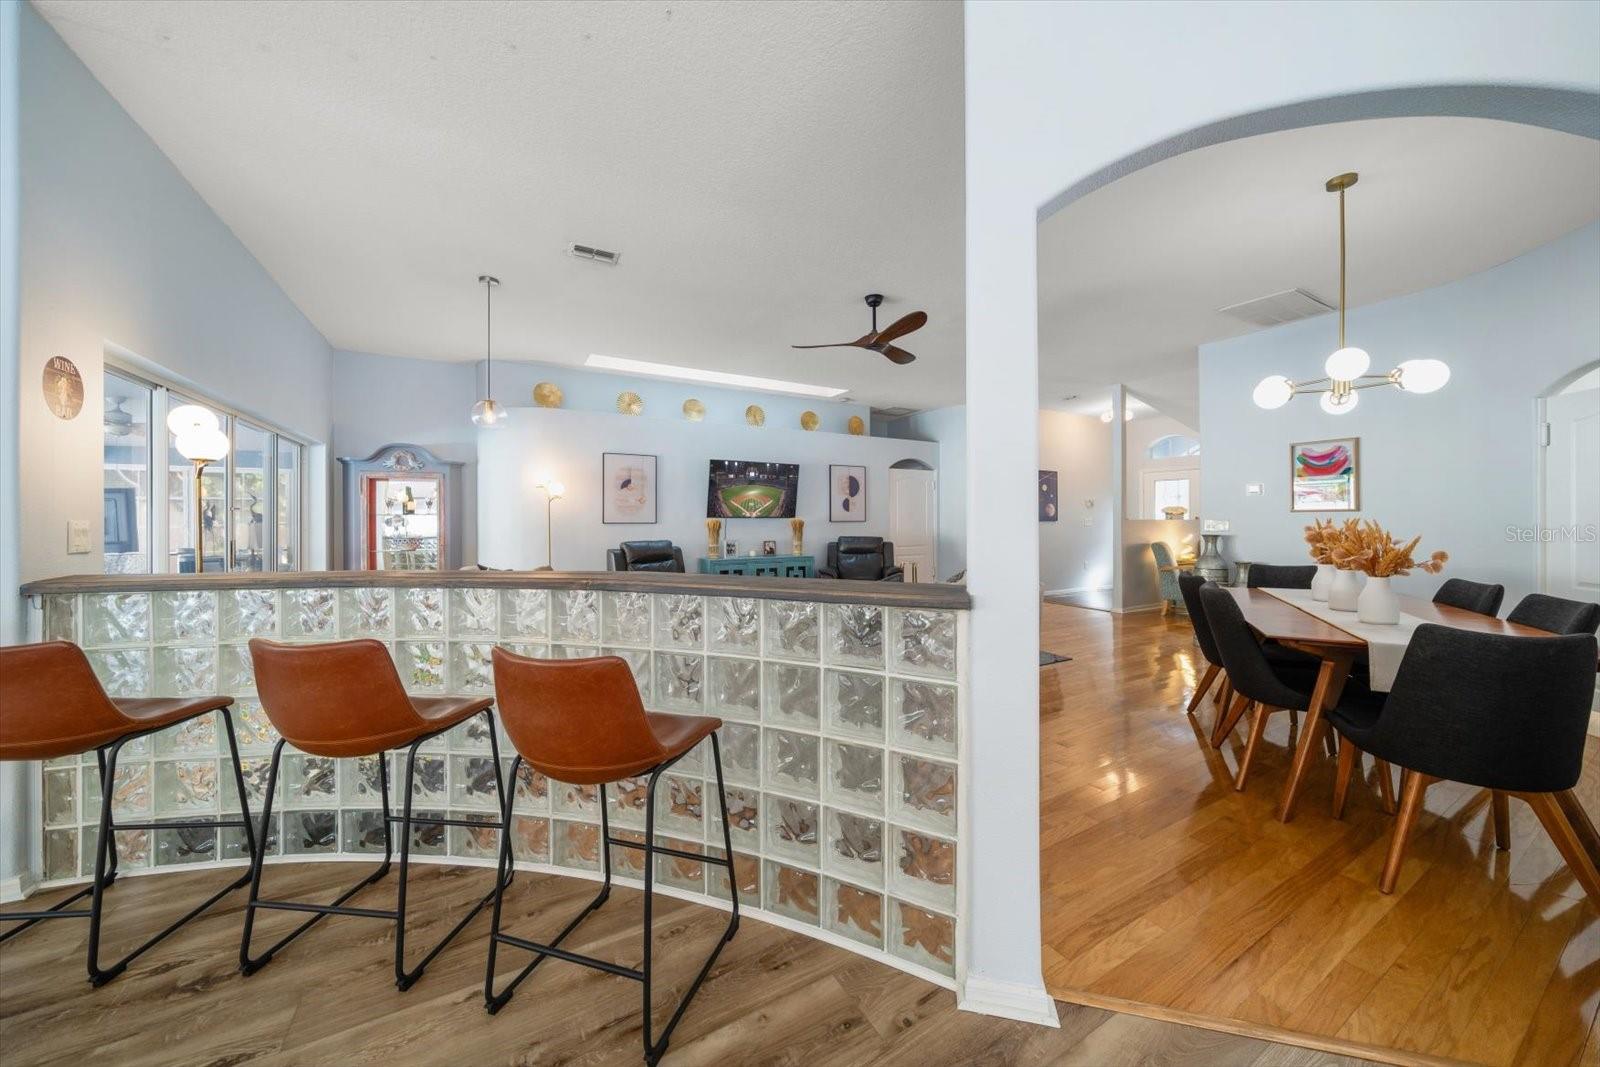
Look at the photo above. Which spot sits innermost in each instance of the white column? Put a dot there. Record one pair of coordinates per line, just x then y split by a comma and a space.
1002, 974
1119, 494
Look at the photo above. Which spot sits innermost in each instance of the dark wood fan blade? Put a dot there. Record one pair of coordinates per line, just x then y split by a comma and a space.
898, 355
901, 326
866, 340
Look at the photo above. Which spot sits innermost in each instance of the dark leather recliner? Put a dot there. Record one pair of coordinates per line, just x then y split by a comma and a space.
862, 559
645, 556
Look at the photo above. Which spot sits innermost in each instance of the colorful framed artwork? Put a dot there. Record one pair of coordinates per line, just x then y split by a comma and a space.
1325, 475
847, 493
627, 488
1049, 502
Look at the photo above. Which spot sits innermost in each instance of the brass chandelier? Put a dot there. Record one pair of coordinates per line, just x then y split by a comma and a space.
1346, 369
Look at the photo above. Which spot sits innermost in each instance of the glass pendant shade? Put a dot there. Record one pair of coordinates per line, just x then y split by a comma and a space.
186, 417
1273, 392
1423, 375
487, 414
1339, 406
1347, 364
207, 444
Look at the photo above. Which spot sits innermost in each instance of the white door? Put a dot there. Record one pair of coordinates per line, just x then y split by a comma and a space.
1571, 534
914, 522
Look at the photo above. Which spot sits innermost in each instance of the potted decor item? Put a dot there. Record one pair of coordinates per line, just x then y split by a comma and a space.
1320, 539
1368, 549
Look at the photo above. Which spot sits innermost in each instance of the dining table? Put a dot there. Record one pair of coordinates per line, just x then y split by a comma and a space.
1274, 616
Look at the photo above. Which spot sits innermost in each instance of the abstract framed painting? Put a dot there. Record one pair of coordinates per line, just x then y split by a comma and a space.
1049, 502
1325, 475
627, 488
847, 493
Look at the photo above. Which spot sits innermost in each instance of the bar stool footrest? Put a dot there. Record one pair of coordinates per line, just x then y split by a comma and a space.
572, 957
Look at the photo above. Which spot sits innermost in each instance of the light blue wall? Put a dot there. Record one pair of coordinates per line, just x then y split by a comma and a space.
1457, 466
948, 428
118, 248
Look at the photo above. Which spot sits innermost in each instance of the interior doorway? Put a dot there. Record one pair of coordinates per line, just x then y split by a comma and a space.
914, 519
1569, 527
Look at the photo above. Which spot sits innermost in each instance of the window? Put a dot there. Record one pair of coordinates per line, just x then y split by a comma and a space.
1173, 446
1164, 489
126, 466
248, 507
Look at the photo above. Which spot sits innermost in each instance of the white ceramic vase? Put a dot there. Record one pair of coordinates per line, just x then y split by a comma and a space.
1324, 579
1377, 603
1345, 590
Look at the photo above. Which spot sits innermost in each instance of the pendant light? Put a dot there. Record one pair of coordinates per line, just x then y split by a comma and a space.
486, 414
1346, 369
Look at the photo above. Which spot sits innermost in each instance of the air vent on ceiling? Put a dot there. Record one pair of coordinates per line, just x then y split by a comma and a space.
599, 255
1277, 308
893, 413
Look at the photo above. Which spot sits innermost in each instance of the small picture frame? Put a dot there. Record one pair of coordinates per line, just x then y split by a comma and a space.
627, 488
1049, 497
769, 548
847, 493
730, 549
1215, 526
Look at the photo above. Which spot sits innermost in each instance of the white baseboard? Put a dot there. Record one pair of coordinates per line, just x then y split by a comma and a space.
1140, 607
1078, 589
1008, 1000
17, 887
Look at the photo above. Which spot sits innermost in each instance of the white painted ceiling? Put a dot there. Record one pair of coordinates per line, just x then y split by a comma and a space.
759, 166
1131, 275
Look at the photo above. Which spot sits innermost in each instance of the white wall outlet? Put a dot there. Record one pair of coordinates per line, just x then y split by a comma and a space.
1088, 520
1254, 489
77, 537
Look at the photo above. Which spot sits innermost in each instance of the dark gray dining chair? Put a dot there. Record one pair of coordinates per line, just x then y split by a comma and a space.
1471, 596
1556, 614
1276, 576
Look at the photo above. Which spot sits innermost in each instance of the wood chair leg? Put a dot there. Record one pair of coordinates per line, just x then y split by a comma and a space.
1257, 728
1328, 741
1226, 723
1212, 670
1349, 756
1385, 785
1224, 694
1330, 683
1500, 802
1413, 786
1568, 842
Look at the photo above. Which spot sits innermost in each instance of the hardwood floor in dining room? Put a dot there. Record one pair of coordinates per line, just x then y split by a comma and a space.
1163, 886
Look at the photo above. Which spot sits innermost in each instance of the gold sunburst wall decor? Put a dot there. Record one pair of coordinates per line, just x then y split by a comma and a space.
547, 395
693, 410
630, 403
755, 416
857, 426
809, 420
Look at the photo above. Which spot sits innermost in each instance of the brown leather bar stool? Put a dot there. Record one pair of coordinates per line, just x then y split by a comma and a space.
51, 704
581, 721
345, 699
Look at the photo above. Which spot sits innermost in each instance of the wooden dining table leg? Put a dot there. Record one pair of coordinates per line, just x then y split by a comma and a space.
1330, 683
1500, 804
1568, 842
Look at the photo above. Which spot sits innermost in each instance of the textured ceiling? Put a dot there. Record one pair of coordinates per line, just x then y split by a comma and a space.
1131, 275
759, 166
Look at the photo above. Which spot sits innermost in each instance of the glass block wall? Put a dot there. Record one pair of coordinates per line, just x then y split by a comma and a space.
839, 746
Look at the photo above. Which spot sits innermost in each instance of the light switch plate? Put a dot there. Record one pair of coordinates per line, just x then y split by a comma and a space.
77, 537
1254, 489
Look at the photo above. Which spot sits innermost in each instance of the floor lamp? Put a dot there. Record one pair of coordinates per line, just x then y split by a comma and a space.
553, 491
199, 439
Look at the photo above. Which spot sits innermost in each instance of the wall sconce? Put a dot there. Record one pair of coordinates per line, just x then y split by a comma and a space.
199, 439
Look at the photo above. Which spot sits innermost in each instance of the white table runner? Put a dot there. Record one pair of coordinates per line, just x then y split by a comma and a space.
1386, 645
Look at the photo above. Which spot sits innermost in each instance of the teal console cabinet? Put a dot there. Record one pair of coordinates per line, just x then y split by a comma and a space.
762, 566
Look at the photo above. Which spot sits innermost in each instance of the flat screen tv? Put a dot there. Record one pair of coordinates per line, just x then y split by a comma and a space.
741, 489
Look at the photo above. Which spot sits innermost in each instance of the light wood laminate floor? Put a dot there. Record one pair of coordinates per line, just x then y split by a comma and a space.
774, 997
1163, 886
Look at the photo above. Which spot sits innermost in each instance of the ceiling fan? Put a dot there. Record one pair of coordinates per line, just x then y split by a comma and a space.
878, 340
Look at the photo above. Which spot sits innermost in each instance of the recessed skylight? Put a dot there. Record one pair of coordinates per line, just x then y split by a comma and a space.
711, 377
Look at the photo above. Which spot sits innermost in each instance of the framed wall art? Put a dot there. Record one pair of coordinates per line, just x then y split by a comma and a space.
847, 493
1049, 504
627, 488
1325, 475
